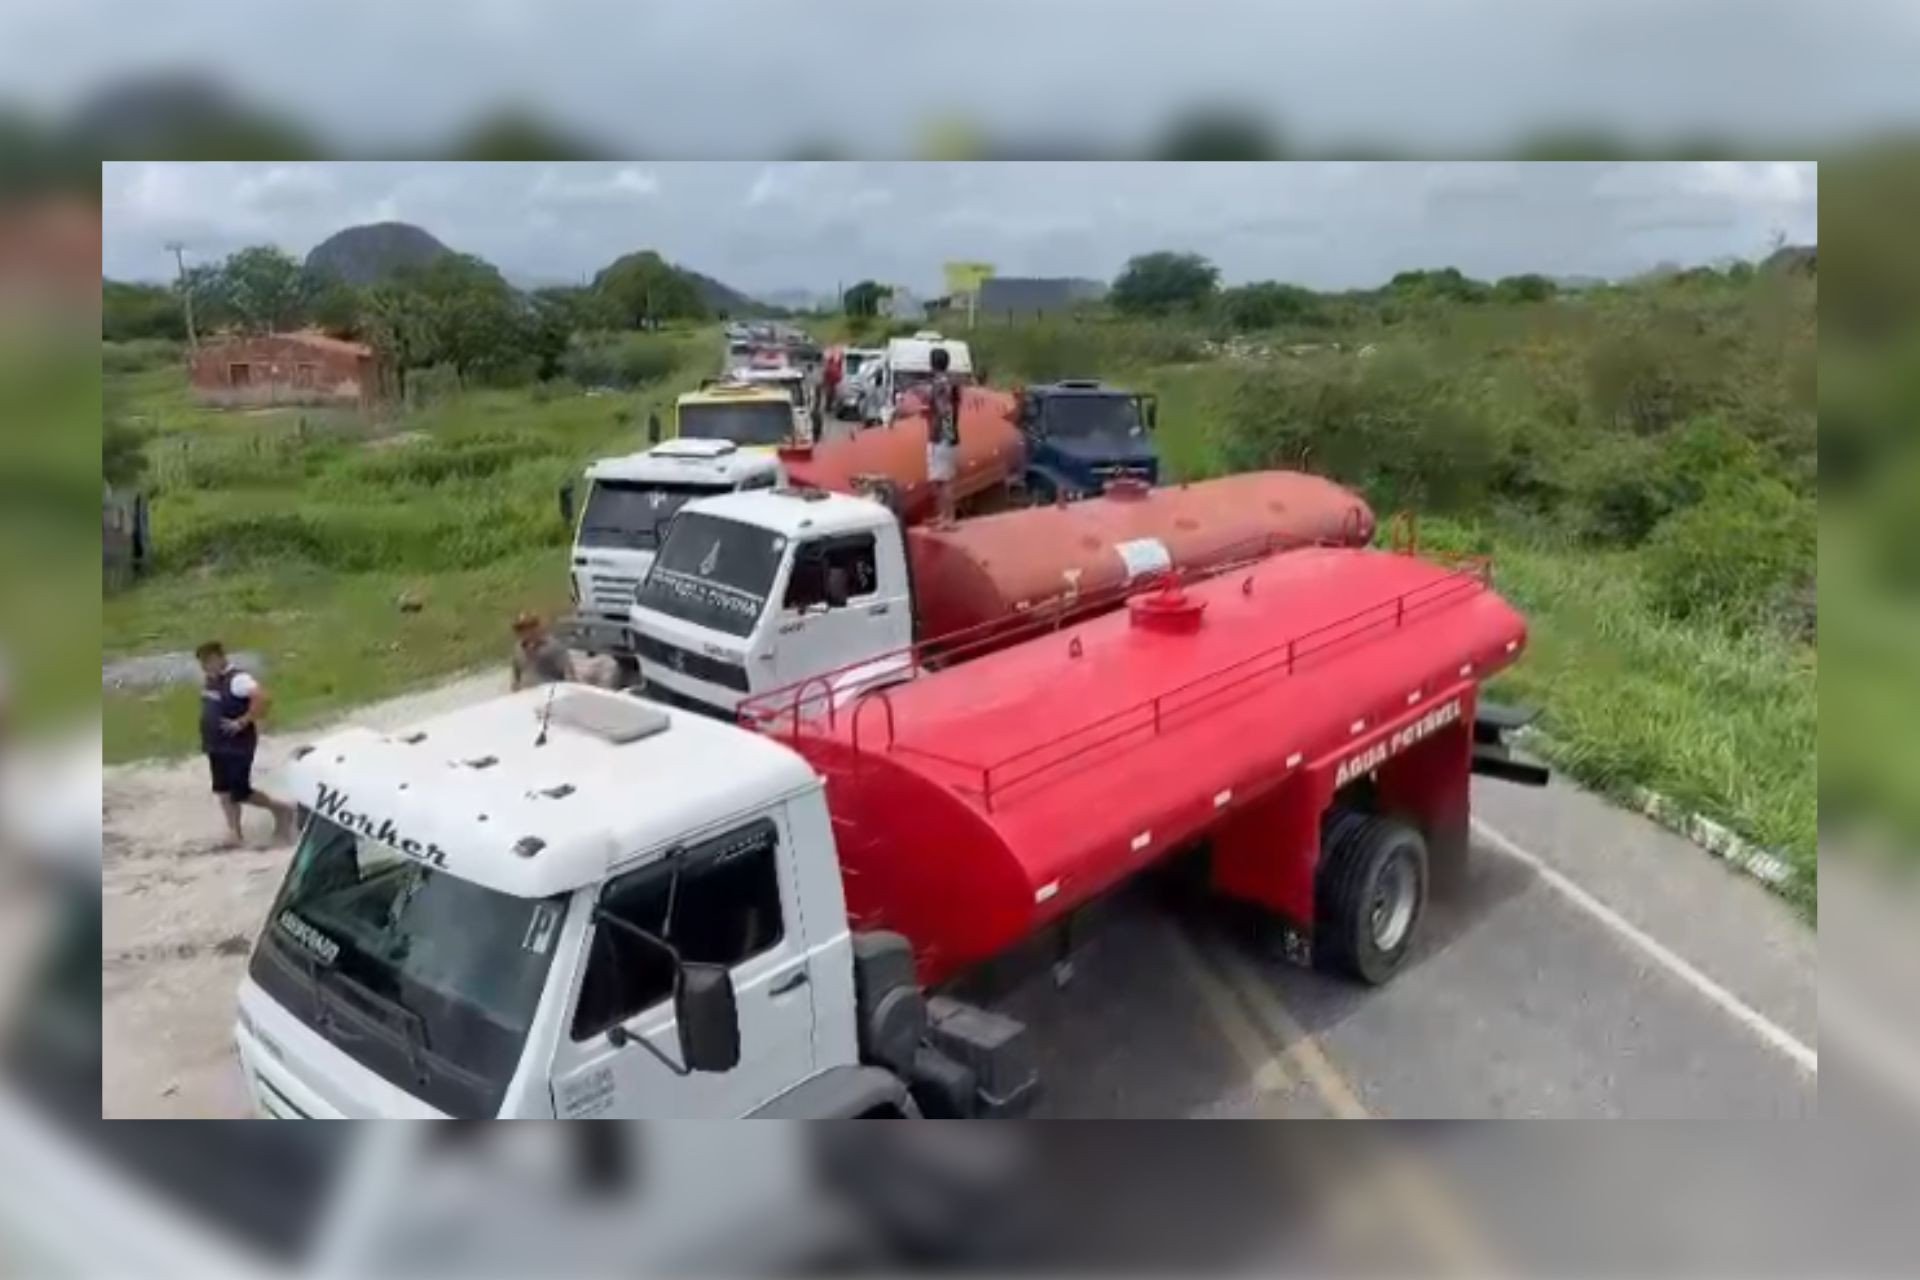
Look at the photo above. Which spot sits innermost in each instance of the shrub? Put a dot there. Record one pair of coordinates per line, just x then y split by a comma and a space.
1269, 304
622, 360
1392, 426
134, 357
1737, 556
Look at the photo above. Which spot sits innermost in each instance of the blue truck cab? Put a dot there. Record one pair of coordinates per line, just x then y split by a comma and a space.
1083, 434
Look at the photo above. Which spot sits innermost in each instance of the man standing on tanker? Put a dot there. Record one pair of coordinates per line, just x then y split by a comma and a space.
943, 432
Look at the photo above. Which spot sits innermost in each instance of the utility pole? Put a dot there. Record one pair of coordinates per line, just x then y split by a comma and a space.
186, 294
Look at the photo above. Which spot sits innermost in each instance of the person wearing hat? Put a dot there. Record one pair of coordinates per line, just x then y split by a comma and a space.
537, 657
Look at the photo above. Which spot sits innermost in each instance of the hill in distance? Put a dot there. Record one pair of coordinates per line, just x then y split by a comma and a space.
368, 254
724, 299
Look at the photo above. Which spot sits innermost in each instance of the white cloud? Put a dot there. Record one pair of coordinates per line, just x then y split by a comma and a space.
284, 184
592, 184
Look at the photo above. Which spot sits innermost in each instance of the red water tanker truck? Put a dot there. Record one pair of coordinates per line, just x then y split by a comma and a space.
757, 590
1304, 727
634, 912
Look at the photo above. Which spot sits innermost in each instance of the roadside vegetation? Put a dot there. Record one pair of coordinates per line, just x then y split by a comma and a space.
1640, 460
359, 556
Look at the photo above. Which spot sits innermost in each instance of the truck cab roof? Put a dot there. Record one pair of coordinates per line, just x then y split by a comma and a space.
1077, 387
796, 513
715, 462
618, 780
733, 390
916, 353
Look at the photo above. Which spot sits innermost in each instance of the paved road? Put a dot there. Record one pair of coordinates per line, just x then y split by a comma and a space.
1588, 964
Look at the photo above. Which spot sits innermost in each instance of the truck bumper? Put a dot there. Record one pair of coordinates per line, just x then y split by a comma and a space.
594, 634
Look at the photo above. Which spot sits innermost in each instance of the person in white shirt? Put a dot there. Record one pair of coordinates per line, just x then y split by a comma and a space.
231, 706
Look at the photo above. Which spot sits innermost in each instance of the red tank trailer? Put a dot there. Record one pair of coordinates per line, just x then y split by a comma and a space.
1310, 720
893, 458
997, 569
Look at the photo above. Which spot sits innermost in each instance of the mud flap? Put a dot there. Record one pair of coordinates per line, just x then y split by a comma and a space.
1493, 756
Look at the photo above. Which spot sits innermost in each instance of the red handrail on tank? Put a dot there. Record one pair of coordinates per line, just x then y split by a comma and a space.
762, 709
1152, 713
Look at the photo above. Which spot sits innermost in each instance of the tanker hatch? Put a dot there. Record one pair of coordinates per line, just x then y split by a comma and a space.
1170, 609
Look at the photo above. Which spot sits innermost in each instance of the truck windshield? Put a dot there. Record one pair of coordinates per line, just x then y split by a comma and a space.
1073, 417
424, 978
634, 513
756, 422
714, 572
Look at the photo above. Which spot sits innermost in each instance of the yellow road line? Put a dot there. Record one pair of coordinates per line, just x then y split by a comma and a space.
1298, 1049
1262, 1063
1403, 1177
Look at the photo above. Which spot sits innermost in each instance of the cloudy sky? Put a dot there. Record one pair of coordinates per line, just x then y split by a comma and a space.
764, 227
756, 78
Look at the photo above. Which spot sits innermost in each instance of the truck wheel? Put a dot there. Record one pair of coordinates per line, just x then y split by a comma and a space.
1370, 892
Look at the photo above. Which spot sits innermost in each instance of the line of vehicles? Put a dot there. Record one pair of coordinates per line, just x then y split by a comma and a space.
866, 757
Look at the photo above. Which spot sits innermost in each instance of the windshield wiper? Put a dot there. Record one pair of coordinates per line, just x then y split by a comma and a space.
418, 1044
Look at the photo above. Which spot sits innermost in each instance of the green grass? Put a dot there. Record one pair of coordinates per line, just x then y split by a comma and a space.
293, 533
329, 640
1726, 725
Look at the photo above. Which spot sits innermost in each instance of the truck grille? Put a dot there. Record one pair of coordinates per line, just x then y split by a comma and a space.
655, 692
276, 1102
687, 662
611, 592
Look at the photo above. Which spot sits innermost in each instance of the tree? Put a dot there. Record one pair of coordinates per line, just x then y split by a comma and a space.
559, 312
1157, 283
334, 305
1270, 304
206, 285
1447, 284
266, 290
476, 321
644, 287
398, 320
864, 298
1530, 287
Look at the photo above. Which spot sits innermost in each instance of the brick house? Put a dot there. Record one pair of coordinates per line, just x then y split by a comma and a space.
287, 368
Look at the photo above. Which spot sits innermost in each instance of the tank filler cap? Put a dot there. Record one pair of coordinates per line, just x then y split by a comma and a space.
1169, 609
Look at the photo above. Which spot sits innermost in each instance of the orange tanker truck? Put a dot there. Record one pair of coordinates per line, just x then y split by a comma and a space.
756, 590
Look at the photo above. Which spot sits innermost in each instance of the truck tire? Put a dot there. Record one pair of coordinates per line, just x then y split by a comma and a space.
1369, 895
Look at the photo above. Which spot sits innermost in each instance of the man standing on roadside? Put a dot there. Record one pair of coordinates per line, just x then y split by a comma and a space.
537, 657
231, 706
943, 433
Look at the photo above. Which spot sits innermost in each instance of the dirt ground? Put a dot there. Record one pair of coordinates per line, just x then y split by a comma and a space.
179, 915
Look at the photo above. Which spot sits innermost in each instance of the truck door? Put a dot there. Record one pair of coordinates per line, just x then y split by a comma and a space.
836, 610
729, 899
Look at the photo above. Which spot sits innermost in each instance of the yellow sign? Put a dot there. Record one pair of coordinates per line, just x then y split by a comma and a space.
964, 278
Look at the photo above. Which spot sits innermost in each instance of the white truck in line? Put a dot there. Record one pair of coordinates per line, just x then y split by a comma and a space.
568, 902
906, 363
738, 601
619, 522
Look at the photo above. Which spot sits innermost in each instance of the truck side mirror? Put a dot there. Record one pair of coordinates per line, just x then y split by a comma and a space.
566, 503
708, 1018
1152, 405
653, 428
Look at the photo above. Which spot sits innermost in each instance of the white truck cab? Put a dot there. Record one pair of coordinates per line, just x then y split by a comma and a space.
907, 363
756, 591
563, 902
628, 503
568, 902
